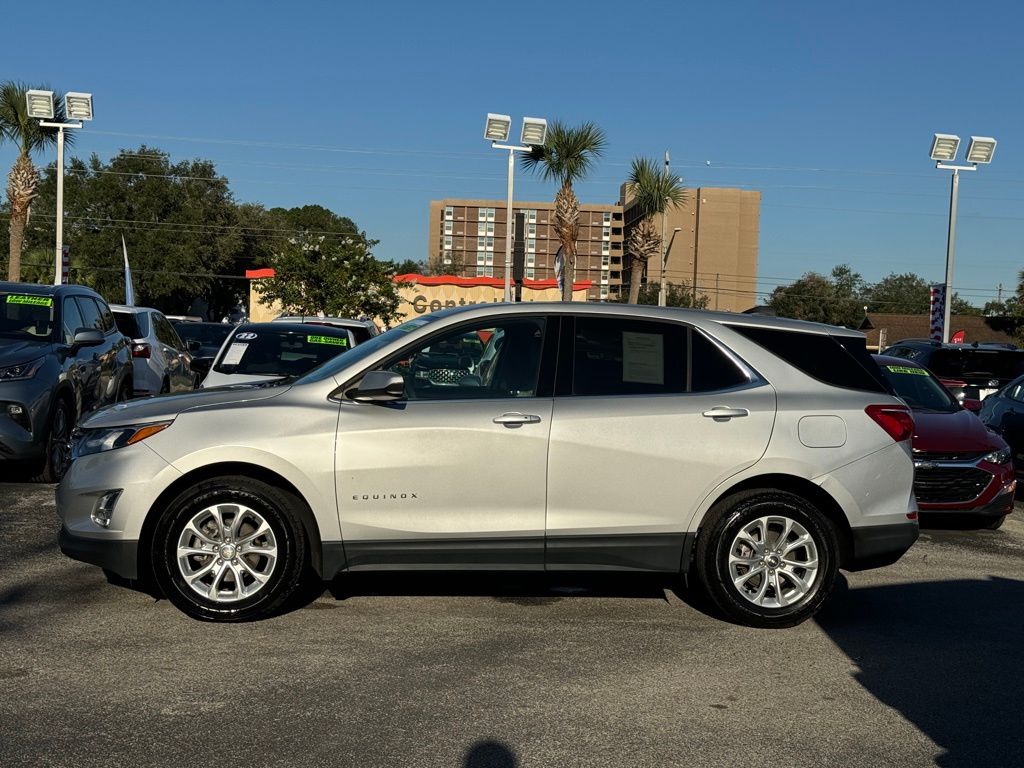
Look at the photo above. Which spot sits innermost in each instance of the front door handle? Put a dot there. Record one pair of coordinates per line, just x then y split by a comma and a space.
722, 412
516, 419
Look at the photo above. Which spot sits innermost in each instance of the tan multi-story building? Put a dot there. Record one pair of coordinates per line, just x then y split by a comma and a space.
715, 247
467, 238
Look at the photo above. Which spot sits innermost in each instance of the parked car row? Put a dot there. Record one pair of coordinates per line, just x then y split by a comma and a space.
65, 352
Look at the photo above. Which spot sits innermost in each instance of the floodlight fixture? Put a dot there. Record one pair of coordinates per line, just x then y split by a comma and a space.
981, 149
497, 127
944, 147
535, 131
40, 104
78, 106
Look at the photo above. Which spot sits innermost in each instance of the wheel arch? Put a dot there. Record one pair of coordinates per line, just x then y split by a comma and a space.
799, 486
233, 468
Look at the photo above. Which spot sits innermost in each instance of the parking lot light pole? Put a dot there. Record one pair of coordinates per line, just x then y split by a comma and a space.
78, 106
534, 133
944, 150
663, 291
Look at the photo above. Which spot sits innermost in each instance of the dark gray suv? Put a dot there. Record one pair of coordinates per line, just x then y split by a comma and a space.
61, 356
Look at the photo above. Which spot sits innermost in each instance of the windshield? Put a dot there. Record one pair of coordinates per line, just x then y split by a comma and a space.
366, 349
25, 317
919, 389
264, 351
207, 334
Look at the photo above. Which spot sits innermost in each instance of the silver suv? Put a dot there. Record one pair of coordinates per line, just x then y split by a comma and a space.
758, 455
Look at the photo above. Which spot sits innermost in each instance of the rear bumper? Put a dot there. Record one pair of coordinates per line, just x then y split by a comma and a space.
875, 546
121, 556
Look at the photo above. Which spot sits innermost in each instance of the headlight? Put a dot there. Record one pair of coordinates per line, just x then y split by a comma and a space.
88, 441
21, 371
1002, 456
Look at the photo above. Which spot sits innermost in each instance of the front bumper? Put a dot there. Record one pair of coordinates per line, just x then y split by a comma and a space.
25, 438
875, 546
120, 556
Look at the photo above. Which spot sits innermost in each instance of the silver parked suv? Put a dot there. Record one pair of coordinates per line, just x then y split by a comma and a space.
758, 455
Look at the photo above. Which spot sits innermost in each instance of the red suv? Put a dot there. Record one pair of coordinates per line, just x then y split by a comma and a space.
960, 466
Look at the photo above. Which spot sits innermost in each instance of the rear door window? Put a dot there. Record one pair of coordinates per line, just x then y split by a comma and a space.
106, 317
615, 356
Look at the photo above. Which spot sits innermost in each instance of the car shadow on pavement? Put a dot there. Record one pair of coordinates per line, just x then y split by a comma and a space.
506, 587
947, 655
490, 754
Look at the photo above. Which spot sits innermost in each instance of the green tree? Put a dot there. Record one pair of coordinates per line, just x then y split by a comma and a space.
409, 267
181, 226
23, 180
909, 294
654, 192
313, 274
676, 295
567, 156
837, 299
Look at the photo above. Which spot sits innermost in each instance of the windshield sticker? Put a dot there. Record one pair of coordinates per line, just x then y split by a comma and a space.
36, 301
335, 340
234, 354
411, 325
914, 371
643, 357
245, 336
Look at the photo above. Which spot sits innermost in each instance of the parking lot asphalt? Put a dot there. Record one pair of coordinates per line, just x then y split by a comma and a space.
921, 663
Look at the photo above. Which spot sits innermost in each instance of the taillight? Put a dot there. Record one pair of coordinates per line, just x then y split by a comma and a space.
140, 350
894, 419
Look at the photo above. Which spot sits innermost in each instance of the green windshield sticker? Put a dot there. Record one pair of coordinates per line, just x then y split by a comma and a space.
336, 341
907, 369
36, 301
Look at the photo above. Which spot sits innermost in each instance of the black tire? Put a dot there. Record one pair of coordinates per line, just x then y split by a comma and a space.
715, 539
280, 511
995, 523
58, 443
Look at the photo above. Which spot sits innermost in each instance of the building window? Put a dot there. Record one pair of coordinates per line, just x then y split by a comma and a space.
448, 242
604, 292
448, 227
484, 271
530, 273
605, 247
531, 230
530, 259
531, 244
531, 216
607, 217
485, 228
605, 261
606, 233
447, 257
485, 214
449, 213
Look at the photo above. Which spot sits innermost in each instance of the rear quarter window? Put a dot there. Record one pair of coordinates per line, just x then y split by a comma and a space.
838, 361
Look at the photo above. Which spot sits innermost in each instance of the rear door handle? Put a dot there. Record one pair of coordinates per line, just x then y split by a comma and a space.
721, 412
516, 419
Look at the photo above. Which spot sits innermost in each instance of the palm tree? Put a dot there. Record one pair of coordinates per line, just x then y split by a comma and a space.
568, 155
23, 180
654, 192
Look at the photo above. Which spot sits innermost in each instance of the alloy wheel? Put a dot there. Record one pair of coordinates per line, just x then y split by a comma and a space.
227, 552
773, 562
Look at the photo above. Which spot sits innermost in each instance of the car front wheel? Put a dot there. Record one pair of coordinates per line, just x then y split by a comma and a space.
767, 558
230, 549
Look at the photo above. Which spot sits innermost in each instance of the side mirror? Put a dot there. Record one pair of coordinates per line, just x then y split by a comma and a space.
193, 345
971, 405
379, 387
201, 365
87, 337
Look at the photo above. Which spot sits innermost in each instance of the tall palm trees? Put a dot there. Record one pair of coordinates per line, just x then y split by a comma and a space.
568, 155
654, 192
23, 180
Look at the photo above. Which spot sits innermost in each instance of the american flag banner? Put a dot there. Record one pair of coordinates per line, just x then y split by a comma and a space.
937, 303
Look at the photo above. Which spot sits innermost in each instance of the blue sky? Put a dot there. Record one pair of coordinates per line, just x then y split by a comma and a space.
374, 109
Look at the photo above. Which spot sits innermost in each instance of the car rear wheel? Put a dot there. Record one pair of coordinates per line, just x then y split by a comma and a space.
767, 558
230, 549
58, 443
